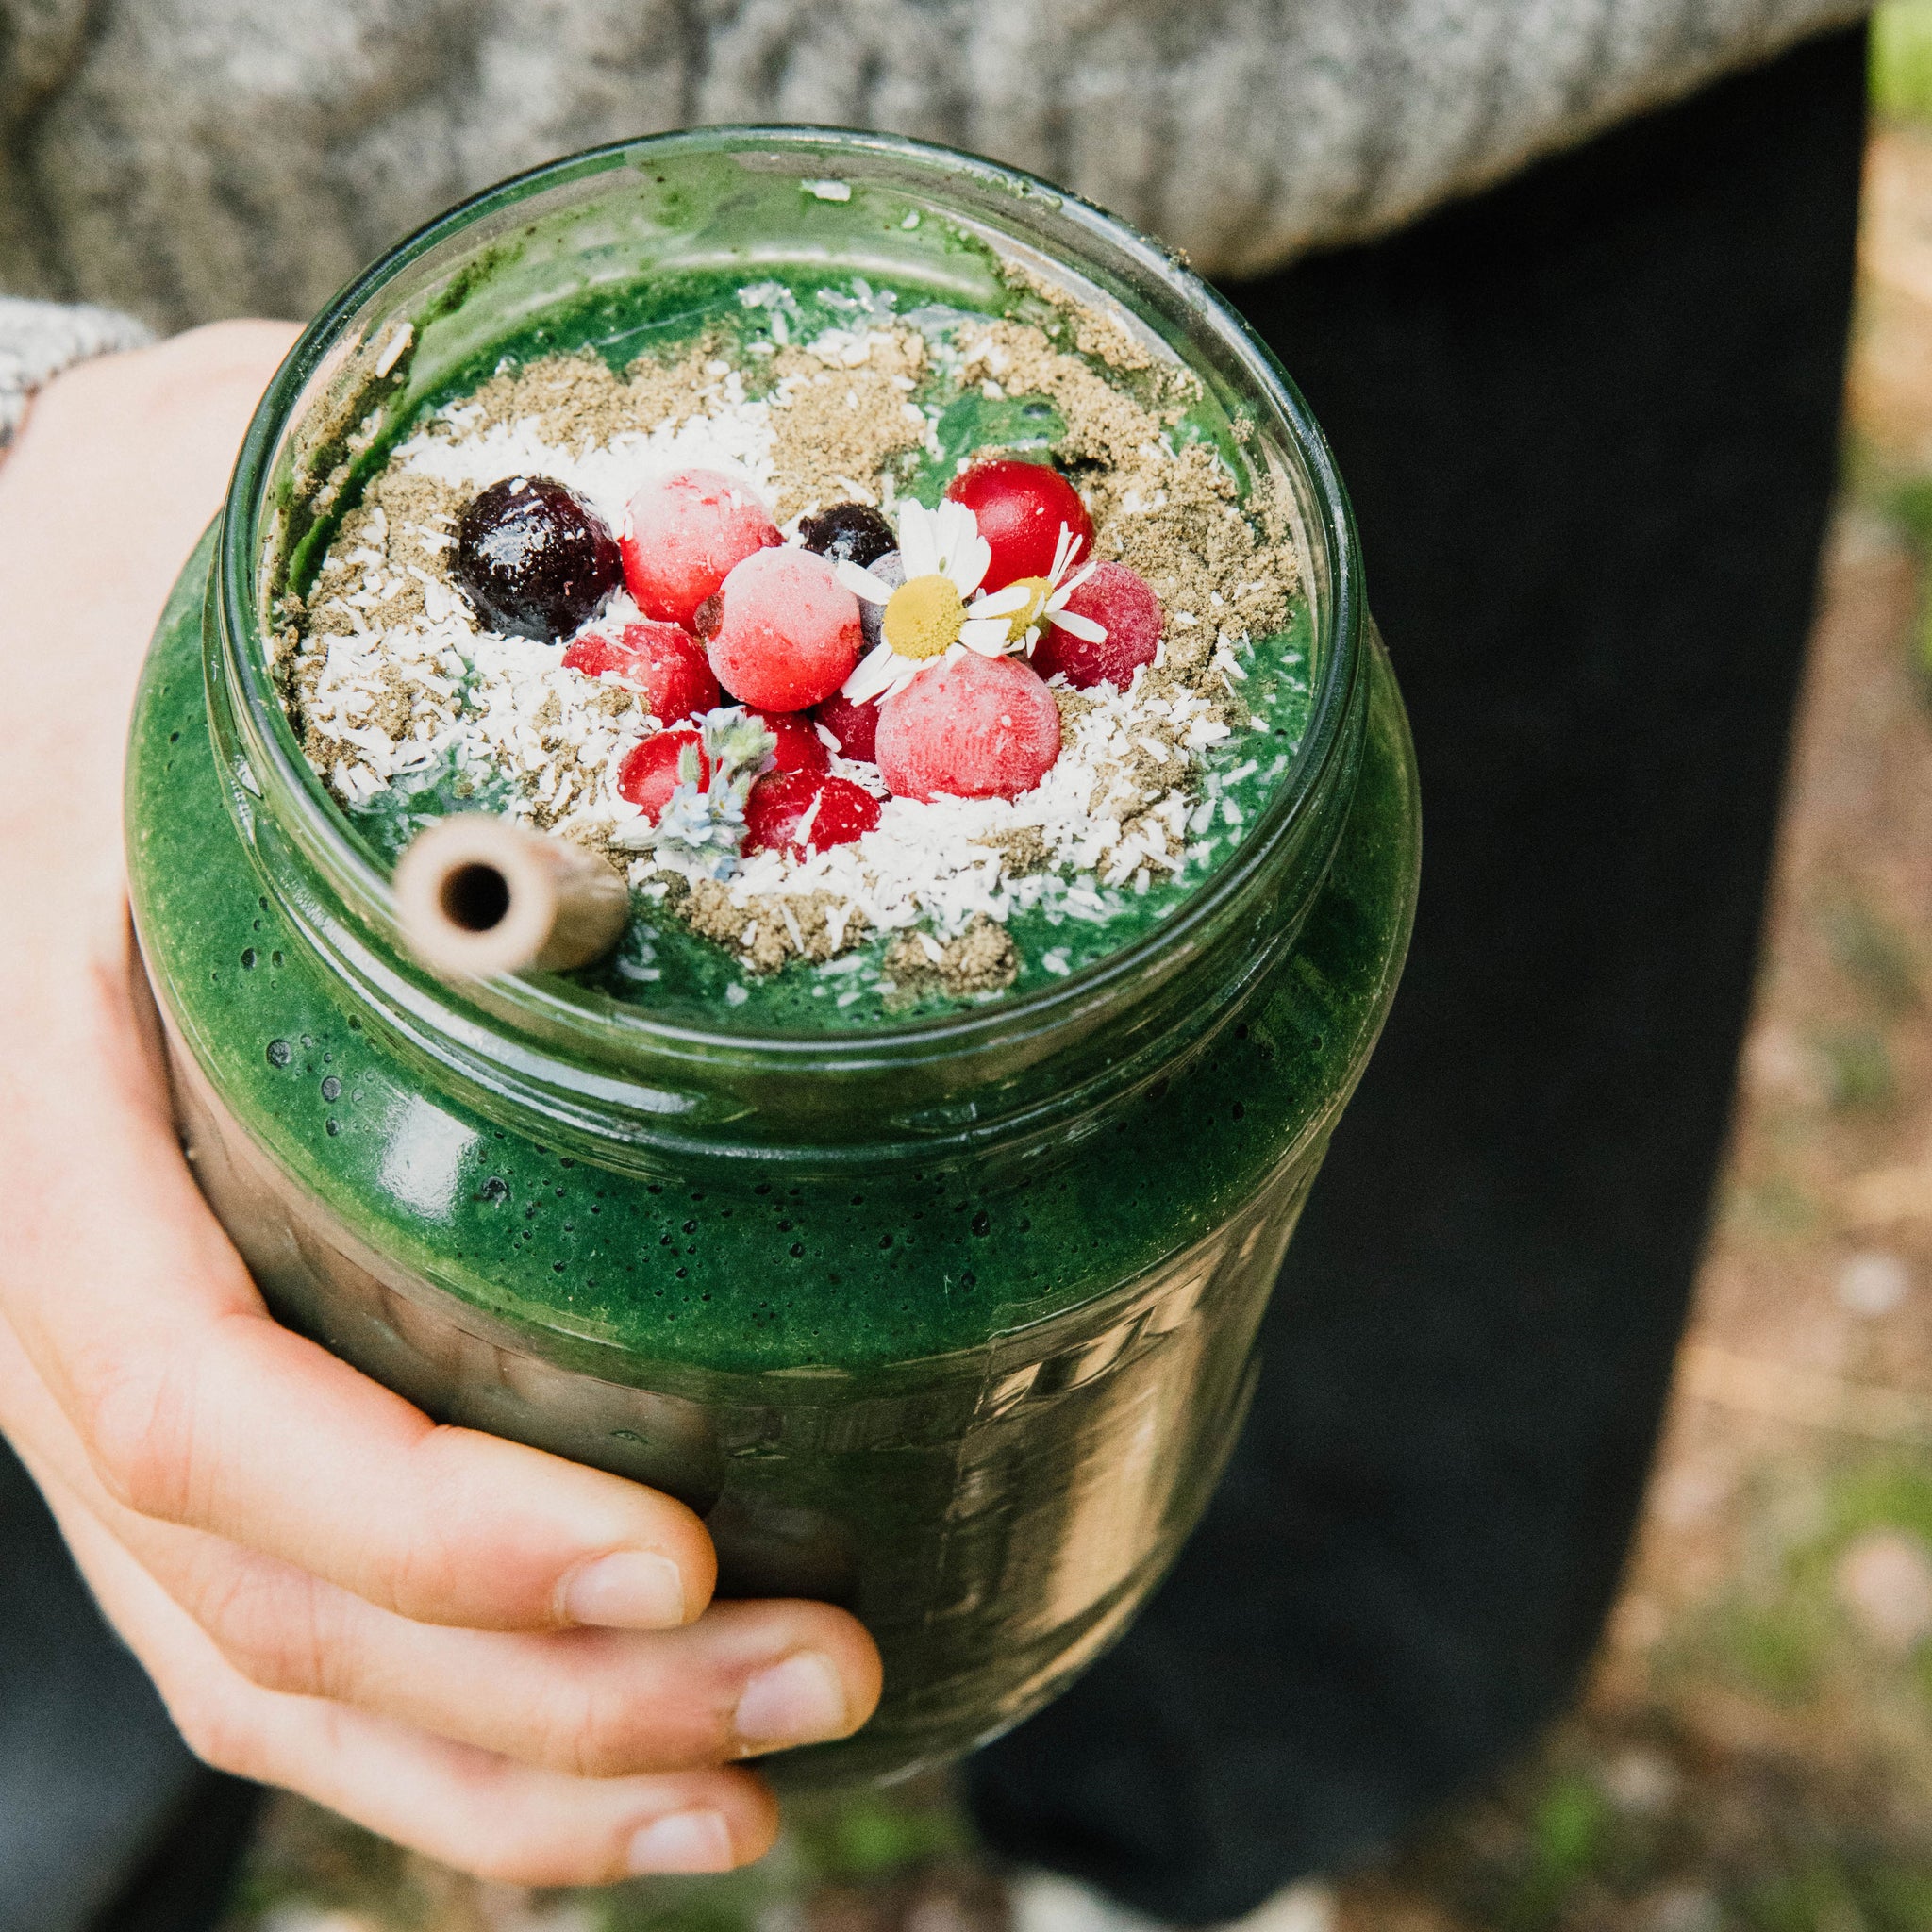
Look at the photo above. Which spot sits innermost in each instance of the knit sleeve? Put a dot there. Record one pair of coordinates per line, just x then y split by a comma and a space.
38, 339
236, 156
1248, 131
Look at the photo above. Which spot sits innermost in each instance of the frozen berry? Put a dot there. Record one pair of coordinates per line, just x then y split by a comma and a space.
658, 660
1118, 599
891, 571
786, 633
1020, 507
856, 726
652, 771
682, 536
799, 748
533, 559
978, 727
848, 533
806, 811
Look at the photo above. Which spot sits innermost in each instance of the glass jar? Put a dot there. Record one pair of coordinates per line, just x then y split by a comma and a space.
951, 1321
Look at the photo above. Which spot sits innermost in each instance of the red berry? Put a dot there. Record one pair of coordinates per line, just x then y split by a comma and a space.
1020, 507
856, 726
786, 633
978, 728
682, 536
799, 748
1118, 599
780, 800
660, 660
653, 770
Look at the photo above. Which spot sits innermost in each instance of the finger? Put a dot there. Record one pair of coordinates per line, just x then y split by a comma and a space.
465, 1807
196, 1408
747, 1678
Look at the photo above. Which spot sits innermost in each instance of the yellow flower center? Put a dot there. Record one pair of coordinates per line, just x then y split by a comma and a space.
923, 617
1038, 590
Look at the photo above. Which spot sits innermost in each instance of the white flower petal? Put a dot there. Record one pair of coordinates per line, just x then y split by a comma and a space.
968, 567
1064, 548
919, 539
875, 670
1082, 627
1000, 603
861, 582
990, 637
1073, 582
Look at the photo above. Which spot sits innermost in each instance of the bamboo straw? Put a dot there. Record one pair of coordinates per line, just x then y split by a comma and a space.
477, 894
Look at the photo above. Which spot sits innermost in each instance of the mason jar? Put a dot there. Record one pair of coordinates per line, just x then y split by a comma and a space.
951, 1321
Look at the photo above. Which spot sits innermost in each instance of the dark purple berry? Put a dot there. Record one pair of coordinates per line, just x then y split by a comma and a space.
848, 533
534, 558
889, 569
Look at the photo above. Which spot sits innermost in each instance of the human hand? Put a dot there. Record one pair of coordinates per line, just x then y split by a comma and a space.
499, 1657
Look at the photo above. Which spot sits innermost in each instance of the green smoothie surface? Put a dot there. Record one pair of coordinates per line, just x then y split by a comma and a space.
817, 391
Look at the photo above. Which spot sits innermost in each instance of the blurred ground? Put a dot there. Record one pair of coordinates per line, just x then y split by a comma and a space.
1754, 1750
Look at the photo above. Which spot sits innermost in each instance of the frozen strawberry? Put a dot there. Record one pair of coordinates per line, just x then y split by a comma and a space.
799, 748
978, 728
856, 726
1118, 599
652, 771
1020, 507
666, 664
787, 631
682, 536
806, 811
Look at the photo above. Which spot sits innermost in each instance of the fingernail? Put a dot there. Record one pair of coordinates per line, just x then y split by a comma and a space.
685, 1841
796, 1702
628, 1590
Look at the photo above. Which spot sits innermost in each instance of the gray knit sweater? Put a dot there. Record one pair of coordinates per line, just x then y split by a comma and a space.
188, 158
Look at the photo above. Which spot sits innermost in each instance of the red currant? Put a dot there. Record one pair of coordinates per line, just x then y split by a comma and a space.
1020, 507
652, 771
658, 660
799, 748
856, 726
1118, 599
780, 800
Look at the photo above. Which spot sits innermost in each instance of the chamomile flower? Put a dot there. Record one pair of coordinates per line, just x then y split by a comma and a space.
1031, 603
928, 619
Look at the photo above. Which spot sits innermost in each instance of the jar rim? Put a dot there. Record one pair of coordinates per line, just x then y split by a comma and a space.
594, 1025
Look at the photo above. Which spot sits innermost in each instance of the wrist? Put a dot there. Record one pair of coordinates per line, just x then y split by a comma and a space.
38, 339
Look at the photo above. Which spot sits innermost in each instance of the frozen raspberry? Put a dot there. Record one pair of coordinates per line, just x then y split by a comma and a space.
1020, 507
684, 533
856, 726
787, 631
533, 559
1117, 599
658, 660
799, 748
652, 771
777, 813
978, 728
848, 533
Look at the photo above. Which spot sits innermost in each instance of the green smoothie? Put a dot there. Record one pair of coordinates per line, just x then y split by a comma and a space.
942, 1309
814, 387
